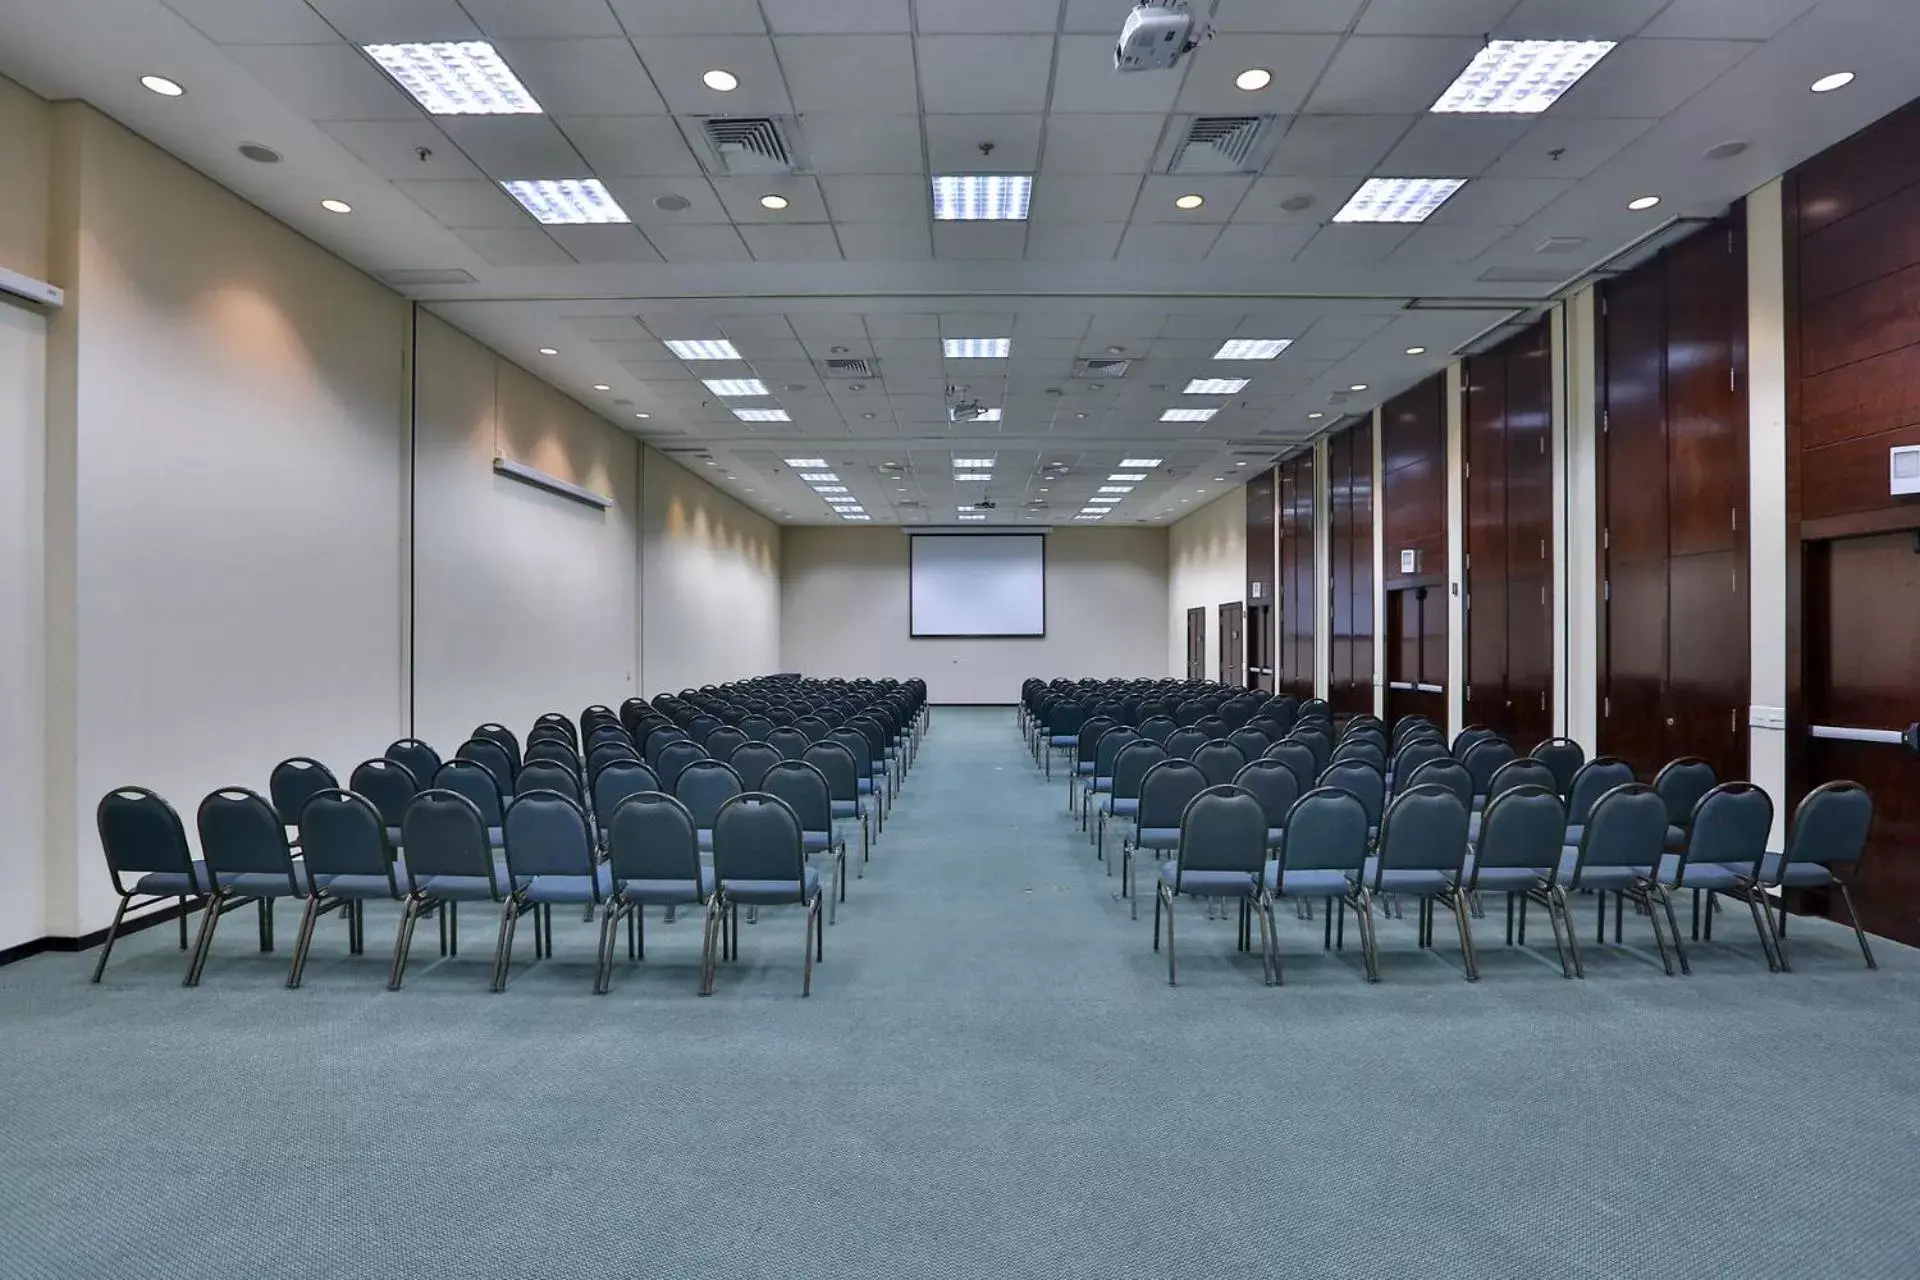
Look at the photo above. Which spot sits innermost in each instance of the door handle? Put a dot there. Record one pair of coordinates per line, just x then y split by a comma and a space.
1908, 737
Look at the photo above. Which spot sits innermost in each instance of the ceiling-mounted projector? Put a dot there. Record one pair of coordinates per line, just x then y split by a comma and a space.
966, 411
1157, 34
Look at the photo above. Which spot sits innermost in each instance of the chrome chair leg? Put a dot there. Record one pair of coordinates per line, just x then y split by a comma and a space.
1461, 907
403, 940
1762, 926
1161, 895
203, 943
1559, 902
603, 967
106, 948
1853, 917
1673, 927
503, 947
303, 937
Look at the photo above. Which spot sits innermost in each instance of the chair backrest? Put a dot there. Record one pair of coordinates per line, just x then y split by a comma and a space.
491, 756
1595, 778
723, 742
608, 734
1830, 826
1219, 760
606, 753
674, 758
558, 720
293, 782
550, 734
1406, 726
1130, 765
445, 834
814, 727
1414, 753
862, 749
1109, 747
1625, 827
789, 741
1523, 826
141, 833
703, 786
756, 727
1091, 729
551, 750
1184, 741
344, 834
1251, 741
1361, 780
421, 759
389, 784
503, 737
751, 760
1166, 789
1213, 727
804, 789
1524, 772
1364, 749
1425, 829
617, 780
1464, 740
1297, 756
1273, 784
1316, 738
1441, 771
1682, 783
700, 726
1222, 829
1484, 758
240, 833
1269, 727
658, 739
651, 836
547, 835
1326, 831
1157, 728
836, 764
545, 775
1315, 709
1729, 827
1564, 756
477, 784
757, 837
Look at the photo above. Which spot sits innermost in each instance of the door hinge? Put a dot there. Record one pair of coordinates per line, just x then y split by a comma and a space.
1603, 304
1543, 701
1467, 561
1733, 583
1733, 378
1606, 539
1606, 707
1543, 548
1733, 720
1606, 420
1469, 693
1543, 446
1736, 519
1543, 595
1606, 590
1466, 469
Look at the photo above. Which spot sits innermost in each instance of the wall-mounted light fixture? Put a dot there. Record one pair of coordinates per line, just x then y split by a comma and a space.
552, 484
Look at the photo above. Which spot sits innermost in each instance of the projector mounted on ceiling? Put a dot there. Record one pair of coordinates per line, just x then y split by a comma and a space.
966, 411
1156, 35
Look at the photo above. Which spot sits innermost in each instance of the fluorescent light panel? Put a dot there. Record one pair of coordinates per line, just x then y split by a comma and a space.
559, 202
1521, 77
1187, 415
830, 488
976, 348
1105, 501
819, 477
973, 475
1127, 475
702, 348
736, 386
970, 517
860, 516
1252, 348
812, 463
1116, 488
1216, 386
1092, 513
762, 415
981, 197
456, 78
1140, 462
988, 415
1398, 199
971, 463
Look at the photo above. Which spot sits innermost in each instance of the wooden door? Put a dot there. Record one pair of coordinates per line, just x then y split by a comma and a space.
1233, 650
1486, 542
1259, 647
1862, 638
1197, 643
1416, 653
1295, 593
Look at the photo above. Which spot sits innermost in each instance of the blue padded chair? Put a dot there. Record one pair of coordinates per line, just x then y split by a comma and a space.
1122, 800
1422, 851
1682, 783
1315, 709
491, 756
1184, 741
1464, 740
1276, 787
1594, 779
349, 859
1157, 728
550, 859
760, 859
1410, 755
790, 741
1097, 785
556, 721
1620, 849
871, 768
501, 736
1086, 754
804, 790
1219, 760
1524, 772
1323, 854
552, 749
548, 775
653, 854
700, 726
477, 784
1251, 741
836, 764
1221, 854
1517, 850
602, 756
1164, 794
724, 741
756, 727
1364, 782
1441, 771
1213, 726
248, 860
674, 758
1297, 756
1564, 756
451, 859
617, 780
814, 727
422, 760
1824, 847
1725, 848
703, 786
608, 735
1484, 759
1363, 749
751, 760
389, 784
142, 837
295, 781
657, 740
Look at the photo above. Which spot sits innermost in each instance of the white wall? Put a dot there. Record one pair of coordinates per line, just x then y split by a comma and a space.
1206, 568
1767, 493
524, 601
23, 365
844, 607
710, 582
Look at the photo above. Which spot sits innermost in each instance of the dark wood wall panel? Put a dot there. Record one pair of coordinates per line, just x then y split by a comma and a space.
1413, 517
1509, 537
1294, 591
1350, 548
1673, 483
1262, 576
1853, 578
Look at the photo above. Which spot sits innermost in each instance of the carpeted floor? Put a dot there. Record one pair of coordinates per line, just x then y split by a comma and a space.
991, 1079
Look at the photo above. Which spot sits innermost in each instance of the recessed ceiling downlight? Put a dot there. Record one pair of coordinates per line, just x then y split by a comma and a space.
169, 89
1827, 84
259, 154
1253, 79
720, 81
1642, 203
336, 206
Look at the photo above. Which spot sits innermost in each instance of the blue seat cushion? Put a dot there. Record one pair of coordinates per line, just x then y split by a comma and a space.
175, 884
1307, 884
566, 888
1207, 884
1064, 740
1407, 880
1506, 879
1798, 875
864, 786
774, 892
265, 884
668, 891
1123, 806
817, 841
460, 888
1711, 875
1102, 784
1591, 877
1083, 767
1158, 838
846, 808
365, 886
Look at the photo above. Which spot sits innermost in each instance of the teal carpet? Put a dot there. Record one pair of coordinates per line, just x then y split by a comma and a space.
992, 1079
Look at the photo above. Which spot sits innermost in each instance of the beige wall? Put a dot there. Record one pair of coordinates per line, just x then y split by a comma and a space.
25, 151
1206, 568
844, 605
710, 582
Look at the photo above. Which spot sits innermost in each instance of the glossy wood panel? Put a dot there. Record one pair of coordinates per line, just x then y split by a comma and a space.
1486, 539
1413, 482
1361, 502
1262, 575
1856, 174
1340, 567
1350, 547
1294, 590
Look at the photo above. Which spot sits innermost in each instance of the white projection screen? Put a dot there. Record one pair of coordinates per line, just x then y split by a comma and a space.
983, 585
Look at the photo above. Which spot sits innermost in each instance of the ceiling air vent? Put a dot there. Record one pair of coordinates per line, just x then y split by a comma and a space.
851, 368
749, 144
1100, 368
1221, 144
